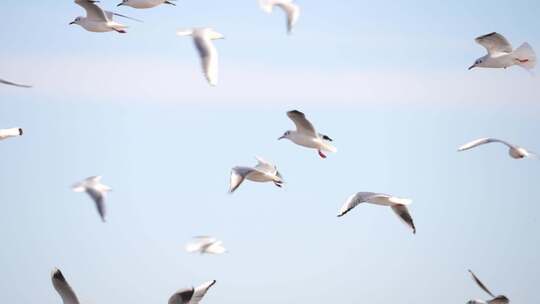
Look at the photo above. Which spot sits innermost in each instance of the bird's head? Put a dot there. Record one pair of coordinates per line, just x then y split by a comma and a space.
76, 21
478, 63
285, 135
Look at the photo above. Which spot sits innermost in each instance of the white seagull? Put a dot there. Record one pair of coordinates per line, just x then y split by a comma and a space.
306, 136
502, 55
495, 300
144, 3
98, 20
292, 10
14, 84
96, 190
202, 37
514, 151
191, 295
262, 172
13, 132
206, 244
398, 205
62, 287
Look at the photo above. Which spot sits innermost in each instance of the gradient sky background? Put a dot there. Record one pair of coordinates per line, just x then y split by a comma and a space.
387, 80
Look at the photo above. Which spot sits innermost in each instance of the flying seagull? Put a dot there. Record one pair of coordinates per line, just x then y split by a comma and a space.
306, 136
202, 37
14, 84
514, 151
13, 132
145, 3
262, 172
495, 299
62, 287
502, 55
398, 205
191, 295
206, 244
96, 190
291, 10
98, 20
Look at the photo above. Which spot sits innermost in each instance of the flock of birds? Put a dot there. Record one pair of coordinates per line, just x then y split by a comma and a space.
500, 54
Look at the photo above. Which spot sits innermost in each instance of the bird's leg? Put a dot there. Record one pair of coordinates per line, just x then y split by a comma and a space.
321, 154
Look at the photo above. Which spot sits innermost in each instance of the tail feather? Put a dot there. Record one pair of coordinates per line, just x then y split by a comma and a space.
525, 56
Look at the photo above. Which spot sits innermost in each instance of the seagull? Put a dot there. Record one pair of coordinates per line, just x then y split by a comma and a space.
62, 287
14, 84
13, 132
398, 205
514, 151
191, 295
206, 244
496, 299
262, 172
292, 10
305, 134
502, 55
96, 190
202, 37
144, 3
98, 20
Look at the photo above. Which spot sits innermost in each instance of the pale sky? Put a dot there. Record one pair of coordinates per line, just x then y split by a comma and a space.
388, 81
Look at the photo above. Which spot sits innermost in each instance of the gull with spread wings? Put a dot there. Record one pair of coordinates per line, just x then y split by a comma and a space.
502, 55
262, 172
513, 150
495, 299
96, 190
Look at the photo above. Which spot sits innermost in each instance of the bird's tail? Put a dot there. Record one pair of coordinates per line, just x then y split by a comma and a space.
266, 5
184, 32
525, 56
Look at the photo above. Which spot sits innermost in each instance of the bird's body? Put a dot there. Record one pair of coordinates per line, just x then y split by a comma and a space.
514, 151
502, 55
263, 172
206, 245
143, 4
306, 136
98, 20
191, 295
12, 132
14, 84
96, 190
291, 10
202, 38
500, 299
398, 205
63, 288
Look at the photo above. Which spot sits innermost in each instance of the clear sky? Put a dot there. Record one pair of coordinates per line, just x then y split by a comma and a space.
387, 80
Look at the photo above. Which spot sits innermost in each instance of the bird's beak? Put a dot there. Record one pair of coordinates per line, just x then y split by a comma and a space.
471, 67
281, 137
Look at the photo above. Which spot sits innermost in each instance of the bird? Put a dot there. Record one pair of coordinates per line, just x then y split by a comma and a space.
291, 9
191, 295
262, 172
62, 287
206, 244
98, 20
145, 3
14, 84
502, 55
398, 205
495, 300
514, 151
97, 191
202, 38
12, 132
306, 136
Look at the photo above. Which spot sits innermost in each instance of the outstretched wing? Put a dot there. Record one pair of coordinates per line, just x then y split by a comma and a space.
99, 200
62, 287
302, 124
480, 284
209, 58
238, 174
200, 291
14, 84
92, 10
404, 215
353, 201
483, 141
494, 43
182, 296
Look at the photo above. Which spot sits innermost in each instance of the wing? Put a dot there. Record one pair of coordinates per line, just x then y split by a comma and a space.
494, 43
14, 84
12, 132
200, 291
238, 174
302, 124
480, 284
216, 248
99, 199
482, 141
293, 12
353, 201
110, 16
499, 300
209, 58
63, 288
92, 10
182, 296
404, 215
264, 166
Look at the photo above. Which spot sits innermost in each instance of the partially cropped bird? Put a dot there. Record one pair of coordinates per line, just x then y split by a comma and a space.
63, 288
191, 295
501, 299
291, 9
206, 244
97, 191
12, 132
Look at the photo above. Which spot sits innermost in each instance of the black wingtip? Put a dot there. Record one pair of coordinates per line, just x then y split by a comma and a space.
20, 131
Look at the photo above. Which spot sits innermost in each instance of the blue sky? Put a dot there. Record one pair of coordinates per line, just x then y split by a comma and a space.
387, 80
